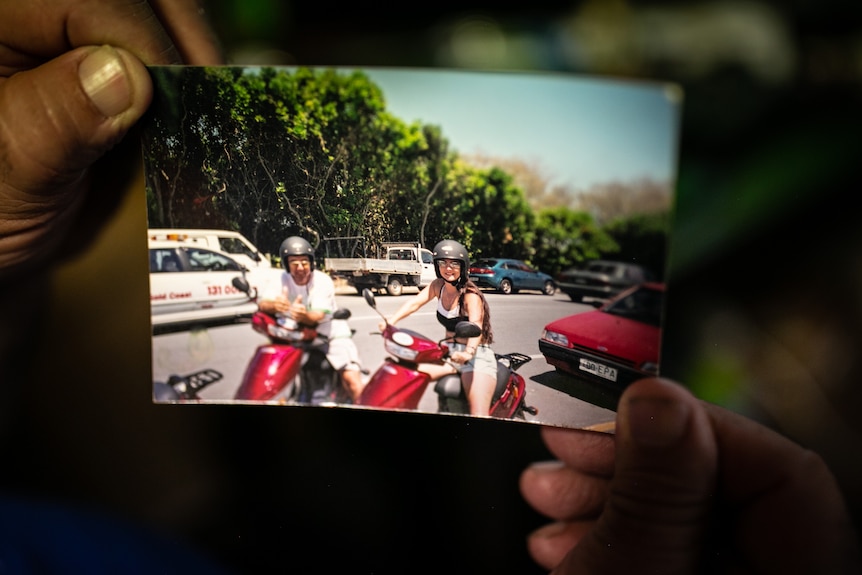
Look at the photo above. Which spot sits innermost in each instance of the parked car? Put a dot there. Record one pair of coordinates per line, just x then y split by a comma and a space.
190, 284
510, 276
236, 245
614, 344
602, 279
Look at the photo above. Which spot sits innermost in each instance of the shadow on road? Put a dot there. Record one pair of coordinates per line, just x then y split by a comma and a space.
199, 325
579, 389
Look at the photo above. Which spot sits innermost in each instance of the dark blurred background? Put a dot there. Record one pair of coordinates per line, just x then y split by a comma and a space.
764, 311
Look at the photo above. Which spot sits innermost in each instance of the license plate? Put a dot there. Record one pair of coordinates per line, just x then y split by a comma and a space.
598, 369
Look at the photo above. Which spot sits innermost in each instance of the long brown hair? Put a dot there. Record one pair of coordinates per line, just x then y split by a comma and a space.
470, 287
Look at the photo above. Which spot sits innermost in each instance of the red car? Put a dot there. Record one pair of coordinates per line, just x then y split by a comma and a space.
614, 344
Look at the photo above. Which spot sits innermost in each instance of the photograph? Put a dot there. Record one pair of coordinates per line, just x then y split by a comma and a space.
463, 243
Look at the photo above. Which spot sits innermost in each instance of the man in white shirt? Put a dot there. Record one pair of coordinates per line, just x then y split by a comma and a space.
307, 296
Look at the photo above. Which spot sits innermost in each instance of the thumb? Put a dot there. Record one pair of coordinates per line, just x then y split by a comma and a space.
298, 300
56, 120
660, 495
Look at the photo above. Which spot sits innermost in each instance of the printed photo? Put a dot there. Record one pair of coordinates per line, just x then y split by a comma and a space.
464, 243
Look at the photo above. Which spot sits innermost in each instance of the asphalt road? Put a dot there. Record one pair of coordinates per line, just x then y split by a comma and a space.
517, 322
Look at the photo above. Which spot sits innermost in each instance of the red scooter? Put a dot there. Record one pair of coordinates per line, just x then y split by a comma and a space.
292, 366
399, 384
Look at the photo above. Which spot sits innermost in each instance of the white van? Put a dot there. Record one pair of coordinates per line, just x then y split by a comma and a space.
233, 243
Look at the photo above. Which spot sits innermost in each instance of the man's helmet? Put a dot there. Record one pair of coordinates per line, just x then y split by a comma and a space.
452, 250
295, 246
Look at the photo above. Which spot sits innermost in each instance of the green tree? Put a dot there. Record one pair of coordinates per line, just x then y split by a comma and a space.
565, 237
642, 239
275, 152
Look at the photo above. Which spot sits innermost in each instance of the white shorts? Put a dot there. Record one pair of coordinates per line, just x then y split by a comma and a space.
342, 354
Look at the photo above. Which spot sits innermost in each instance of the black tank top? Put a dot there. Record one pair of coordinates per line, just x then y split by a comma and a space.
449, 318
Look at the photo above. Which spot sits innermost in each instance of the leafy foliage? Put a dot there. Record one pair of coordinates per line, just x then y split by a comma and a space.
277, 152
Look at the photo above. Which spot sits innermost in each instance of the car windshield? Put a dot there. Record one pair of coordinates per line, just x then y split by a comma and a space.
483, 264
603, 268
235, 246
643, 305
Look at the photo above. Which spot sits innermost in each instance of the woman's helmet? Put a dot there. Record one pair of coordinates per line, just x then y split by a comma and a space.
452, 250
295, 246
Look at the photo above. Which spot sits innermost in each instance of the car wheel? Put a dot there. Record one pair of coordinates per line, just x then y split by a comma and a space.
505, 287
576, 297
549, 288
394, 287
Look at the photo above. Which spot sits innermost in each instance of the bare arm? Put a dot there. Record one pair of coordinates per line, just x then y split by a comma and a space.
424, 296
476, 315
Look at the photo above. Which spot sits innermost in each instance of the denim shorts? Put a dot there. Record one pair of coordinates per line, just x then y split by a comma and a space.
483, 362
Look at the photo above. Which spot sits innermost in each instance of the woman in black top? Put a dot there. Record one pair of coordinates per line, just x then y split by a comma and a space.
459, 299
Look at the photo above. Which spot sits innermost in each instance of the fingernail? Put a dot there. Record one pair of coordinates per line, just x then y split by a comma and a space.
103, 78
657, 421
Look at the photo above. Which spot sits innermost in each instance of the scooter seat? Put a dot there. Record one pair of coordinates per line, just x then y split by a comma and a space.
450, 385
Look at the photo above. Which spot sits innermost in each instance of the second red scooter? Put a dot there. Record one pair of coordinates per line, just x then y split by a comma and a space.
399, 383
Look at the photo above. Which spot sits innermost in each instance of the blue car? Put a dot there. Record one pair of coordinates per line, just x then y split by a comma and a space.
510, 276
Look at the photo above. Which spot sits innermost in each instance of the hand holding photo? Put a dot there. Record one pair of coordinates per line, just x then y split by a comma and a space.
436, 241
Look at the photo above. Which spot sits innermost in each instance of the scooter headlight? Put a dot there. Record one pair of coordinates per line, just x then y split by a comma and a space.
398, 350
402, 338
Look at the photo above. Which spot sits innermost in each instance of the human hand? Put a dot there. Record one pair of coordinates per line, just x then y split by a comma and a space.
685, 487
460, 357
299, 312
279, 305
73, 82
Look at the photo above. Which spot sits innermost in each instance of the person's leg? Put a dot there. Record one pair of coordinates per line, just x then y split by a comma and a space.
351, 377
479, 388
479, 378
344, 358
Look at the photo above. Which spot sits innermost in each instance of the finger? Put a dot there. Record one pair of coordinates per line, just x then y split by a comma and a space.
663, 484
61, 25
187, 24
586, 451
548, 545
58, 119
773, 481
560, 492
131, 24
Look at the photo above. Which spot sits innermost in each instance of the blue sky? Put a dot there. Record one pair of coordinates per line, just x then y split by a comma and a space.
580, 130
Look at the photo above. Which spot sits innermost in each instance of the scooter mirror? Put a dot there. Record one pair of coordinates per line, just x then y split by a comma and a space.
465, 329
241, 284
369, 297
341, 313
